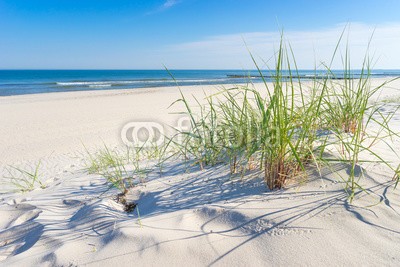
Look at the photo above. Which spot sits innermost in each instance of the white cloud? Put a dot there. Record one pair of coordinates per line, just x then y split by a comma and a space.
310, 47
169, 3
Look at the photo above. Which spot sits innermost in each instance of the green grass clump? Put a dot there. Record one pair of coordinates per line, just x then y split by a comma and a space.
124, 169
280, 131
247, 129
111, 165
25, 180
350, 112
287, 127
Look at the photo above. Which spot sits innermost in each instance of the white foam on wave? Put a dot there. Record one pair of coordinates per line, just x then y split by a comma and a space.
116, 83
100, 85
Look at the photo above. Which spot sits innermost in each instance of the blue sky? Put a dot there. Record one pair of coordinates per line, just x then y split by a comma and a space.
189, 34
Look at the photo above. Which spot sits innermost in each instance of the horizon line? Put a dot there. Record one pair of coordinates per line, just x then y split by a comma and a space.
148, 69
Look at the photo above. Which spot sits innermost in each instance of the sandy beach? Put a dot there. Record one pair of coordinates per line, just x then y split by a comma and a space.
185, 216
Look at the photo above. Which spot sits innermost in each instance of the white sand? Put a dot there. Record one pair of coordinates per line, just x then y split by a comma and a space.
193, 219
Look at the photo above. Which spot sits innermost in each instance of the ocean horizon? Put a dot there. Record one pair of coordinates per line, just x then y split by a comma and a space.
21, 82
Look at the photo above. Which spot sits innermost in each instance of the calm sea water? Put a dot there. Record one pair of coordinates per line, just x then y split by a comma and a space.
19, 82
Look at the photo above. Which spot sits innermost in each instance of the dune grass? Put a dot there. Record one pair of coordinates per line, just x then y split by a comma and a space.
275, 131
280, 131
124, 169
350, 113
110, 165
25, 180
287, 127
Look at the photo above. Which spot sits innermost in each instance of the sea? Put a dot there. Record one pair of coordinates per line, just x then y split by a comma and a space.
22, 82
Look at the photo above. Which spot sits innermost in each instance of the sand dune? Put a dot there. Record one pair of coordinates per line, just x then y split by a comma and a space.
185, 216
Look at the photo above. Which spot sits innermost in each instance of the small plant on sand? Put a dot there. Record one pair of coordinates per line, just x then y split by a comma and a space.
121, 170
25, 180
112, 166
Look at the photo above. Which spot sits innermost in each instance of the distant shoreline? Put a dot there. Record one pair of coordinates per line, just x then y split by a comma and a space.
306, 77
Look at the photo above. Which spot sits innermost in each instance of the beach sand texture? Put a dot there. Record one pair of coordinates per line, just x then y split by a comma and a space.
186, 216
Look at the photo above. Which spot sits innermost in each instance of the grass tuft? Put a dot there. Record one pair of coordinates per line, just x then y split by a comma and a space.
25, 180
289, 126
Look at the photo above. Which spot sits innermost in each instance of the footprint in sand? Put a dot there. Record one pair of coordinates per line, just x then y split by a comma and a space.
261, 226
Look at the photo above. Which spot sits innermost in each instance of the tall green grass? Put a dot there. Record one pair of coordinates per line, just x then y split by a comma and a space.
280, 130
241, 126
352, 110
288, 126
